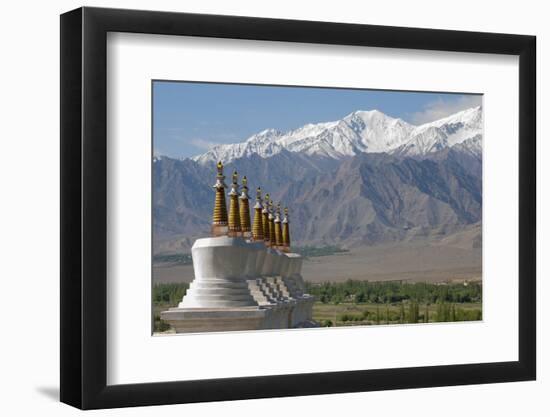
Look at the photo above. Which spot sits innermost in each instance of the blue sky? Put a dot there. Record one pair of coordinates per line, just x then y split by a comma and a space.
189, 118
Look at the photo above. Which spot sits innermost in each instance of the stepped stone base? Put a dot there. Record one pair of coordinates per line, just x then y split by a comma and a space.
194, 320
241, 285
274, 316
273, 311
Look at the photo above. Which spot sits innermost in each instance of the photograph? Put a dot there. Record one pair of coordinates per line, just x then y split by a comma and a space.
292, 207
275, 209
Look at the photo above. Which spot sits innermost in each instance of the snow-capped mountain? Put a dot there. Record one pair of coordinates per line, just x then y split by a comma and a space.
459, 126
359, 132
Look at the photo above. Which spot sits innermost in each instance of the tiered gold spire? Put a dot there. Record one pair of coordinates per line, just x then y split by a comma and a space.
286, 232
278, 230
265, 213
219, 216
272, 241
234, 222
257, 227
244, 209
268, 225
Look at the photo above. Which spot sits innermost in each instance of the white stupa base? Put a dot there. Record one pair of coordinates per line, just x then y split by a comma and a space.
240, 285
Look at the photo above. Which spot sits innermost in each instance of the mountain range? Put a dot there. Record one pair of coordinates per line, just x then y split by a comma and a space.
363, 180
359, 132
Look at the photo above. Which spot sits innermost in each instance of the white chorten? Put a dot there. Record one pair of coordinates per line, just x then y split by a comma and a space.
244, 280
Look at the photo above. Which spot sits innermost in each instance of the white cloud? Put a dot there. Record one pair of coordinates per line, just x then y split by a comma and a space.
441, 108
203, 143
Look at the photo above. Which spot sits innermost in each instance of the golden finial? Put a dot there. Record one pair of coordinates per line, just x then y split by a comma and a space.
258, 198
234, 220
257, 227
220, 177
278, 231
234, 183
244, 209
219, 216
265, 213
286, 231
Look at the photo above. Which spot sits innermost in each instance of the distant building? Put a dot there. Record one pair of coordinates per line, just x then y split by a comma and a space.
246, 278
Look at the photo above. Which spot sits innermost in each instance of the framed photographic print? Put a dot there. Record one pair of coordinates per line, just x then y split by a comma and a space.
257, 208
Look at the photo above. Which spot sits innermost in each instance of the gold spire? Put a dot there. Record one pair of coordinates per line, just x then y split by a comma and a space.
286, 232
271, 224
265, 213
244, 209
219, 216
234, 222
257, 227
278, 231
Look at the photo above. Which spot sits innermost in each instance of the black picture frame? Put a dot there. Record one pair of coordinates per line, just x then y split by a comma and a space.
84, 207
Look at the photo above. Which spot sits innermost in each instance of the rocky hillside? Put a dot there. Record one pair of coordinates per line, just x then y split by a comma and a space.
423, 181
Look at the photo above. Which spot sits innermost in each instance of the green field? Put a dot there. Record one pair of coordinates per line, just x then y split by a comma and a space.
391, 292
317, 251
173, 258
350, 314
395, 302
166, 296
354, 303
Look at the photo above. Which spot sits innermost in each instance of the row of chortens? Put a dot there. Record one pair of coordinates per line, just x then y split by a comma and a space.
246, 277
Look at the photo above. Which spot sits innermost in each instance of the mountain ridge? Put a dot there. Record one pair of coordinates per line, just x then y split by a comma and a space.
367, 199
359, 132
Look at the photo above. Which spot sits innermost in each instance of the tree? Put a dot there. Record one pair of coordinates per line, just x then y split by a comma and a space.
453, 313
413, 312
427, 314
442, 311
